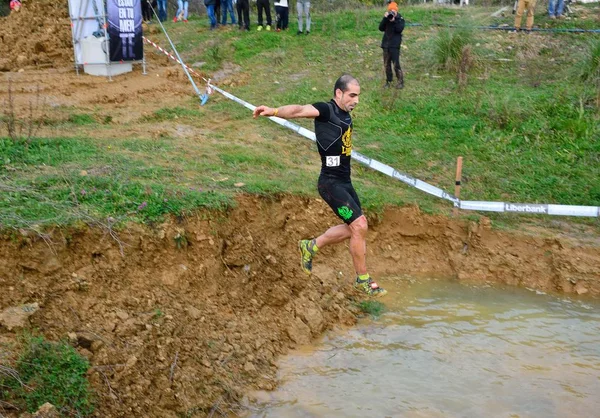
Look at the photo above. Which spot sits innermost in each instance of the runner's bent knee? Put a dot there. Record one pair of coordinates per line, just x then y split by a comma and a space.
359, 226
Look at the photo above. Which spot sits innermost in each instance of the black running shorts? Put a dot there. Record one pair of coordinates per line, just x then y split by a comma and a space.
341, 197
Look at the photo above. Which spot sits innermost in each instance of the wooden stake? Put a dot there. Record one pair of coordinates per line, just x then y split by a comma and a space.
457, 182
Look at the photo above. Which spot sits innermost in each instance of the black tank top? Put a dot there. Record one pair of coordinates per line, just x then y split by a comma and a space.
333, 129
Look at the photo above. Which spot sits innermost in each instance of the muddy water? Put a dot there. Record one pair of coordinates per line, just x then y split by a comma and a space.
443, 349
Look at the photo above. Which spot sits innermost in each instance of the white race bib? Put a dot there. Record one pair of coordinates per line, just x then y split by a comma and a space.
332, 161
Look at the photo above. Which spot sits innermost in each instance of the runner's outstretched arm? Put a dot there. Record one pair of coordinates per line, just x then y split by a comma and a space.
287, 112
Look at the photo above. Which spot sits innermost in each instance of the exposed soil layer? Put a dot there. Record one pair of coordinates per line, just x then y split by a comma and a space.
38, 36
189, 316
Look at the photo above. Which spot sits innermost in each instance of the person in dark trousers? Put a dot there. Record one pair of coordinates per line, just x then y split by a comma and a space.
243, 10
218, 11
266, 6
282, 14
146, 12
392, 26
333, 130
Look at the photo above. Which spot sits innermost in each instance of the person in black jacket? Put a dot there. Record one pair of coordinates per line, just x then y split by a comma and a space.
392, 26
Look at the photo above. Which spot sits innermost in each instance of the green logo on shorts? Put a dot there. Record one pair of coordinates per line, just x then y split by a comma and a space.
345, 212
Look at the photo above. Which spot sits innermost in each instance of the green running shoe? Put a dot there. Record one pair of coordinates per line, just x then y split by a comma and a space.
369, 287
306, 255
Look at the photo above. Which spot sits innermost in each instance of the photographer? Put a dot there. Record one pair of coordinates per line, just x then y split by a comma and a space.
392, 26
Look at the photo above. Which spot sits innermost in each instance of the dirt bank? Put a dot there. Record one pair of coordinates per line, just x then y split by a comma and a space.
39, 36
193, 313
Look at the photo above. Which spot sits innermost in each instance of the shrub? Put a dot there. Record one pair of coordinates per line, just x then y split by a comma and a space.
49, 372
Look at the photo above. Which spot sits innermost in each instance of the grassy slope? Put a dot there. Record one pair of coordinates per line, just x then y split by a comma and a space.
525, 124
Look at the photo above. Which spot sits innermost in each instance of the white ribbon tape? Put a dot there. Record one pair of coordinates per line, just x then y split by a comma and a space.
529, 208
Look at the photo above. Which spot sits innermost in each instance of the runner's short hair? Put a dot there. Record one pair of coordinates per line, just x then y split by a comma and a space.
342, 83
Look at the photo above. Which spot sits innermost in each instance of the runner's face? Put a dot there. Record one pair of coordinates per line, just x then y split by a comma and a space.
348, 99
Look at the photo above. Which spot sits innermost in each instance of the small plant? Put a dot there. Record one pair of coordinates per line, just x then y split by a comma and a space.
279, 57
49, 372
158, 313
81, 119
21, 130
215, 54
371, 307
465, 65
180, 240
590, 69
449, 48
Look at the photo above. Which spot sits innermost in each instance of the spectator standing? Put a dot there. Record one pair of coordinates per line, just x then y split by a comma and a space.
162, 10
263, 5
210, 11
146, 11
243, 10
392, 26
523, 5
282, 14
303, 9
218, 10
555, 8
182, 11
228, 8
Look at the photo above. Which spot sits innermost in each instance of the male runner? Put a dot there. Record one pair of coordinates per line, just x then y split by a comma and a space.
333, 129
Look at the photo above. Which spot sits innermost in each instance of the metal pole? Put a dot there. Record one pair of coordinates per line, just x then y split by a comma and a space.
177, 54
106, 39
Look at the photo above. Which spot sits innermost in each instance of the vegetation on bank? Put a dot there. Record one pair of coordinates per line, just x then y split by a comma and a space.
52, 372
522, 110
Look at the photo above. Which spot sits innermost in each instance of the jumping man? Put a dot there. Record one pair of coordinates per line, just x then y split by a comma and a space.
333, 129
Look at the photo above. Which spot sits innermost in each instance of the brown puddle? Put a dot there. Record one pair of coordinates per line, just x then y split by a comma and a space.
444, 349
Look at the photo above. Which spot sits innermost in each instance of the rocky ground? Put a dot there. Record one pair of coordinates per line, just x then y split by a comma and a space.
180, 326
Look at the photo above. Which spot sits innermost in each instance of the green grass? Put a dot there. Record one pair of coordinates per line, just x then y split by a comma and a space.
527, 122
164, 114
49, 372
371, 307
81, 119
63, 181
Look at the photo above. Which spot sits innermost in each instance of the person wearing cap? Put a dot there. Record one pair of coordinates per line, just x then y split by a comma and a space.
392, 26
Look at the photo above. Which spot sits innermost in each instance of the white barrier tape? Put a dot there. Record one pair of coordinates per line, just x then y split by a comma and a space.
168, 54
530, 208
411, 181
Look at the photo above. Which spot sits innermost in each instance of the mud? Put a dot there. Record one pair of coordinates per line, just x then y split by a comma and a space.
189, 316
39, 36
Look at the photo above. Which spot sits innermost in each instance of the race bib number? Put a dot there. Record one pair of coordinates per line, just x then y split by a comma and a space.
332, 161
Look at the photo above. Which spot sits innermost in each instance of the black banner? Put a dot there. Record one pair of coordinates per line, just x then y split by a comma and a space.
125, 30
